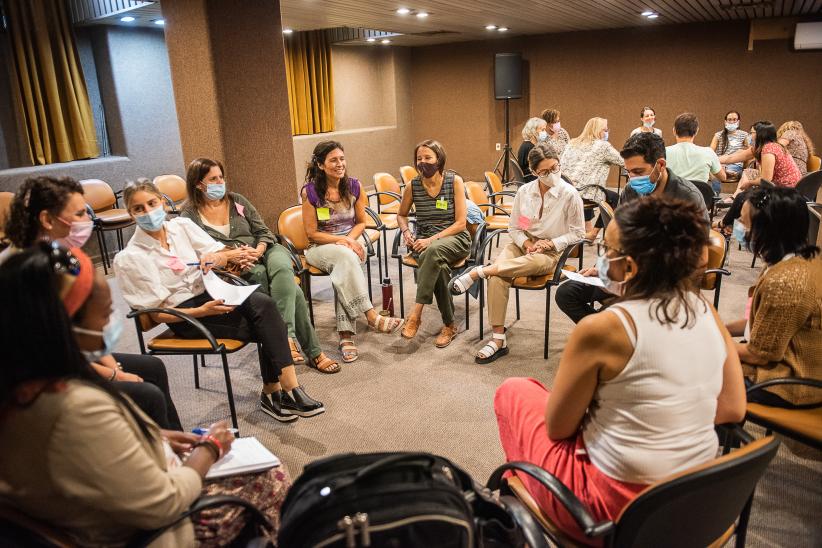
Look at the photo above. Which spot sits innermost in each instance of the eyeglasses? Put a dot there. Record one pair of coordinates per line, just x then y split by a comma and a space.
545, 172
62, 260
602, 248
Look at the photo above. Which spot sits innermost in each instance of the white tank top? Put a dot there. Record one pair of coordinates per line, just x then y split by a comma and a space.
656, 417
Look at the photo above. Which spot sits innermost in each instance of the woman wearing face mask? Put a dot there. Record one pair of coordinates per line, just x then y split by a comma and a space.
792, 136
648, 117
232, 220
533, 132
586, 162
440, 238
50, 209
161, 268
546, 217
557, 136
85, 460
334, 219
731, 140
640, 386
783, 331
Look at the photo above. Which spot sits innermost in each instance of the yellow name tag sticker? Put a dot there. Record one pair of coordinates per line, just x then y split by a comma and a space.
323, 213
442, 204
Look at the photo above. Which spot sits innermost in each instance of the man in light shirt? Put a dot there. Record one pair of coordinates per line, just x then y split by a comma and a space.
690, 161
546, 217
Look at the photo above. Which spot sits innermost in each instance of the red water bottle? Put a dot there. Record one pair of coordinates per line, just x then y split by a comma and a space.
388, 296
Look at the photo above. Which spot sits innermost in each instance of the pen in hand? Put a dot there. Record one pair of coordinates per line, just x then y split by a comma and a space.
197, 264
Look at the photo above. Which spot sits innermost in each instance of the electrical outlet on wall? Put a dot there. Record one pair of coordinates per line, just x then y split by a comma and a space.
499, 146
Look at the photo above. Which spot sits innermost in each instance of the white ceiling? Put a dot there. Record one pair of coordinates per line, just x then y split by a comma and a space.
462, 20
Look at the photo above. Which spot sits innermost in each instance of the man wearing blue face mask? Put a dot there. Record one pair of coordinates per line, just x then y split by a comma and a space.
644, 155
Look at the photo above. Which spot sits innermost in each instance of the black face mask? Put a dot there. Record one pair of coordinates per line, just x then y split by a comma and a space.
427, 170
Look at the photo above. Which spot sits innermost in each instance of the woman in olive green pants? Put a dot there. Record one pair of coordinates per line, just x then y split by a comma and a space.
230, 218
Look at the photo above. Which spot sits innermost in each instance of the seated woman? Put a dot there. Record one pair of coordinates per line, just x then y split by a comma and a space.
52, 209
162, 267
648, 117
784, 326
334, 218
641, 384
85, 459
586, 162
230, 219
731, 140
557, 135
440, 238
533, 132
792, 136
546, 217
775, 166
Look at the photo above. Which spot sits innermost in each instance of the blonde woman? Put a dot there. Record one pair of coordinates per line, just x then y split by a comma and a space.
586, 163
792, 136
534, 131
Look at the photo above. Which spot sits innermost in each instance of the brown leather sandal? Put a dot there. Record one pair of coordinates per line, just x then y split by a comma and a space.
324, 364
296, 355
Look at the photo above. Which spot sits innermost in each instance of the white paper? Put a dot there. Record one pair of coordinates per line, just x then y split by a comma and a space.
233, 295
247, 455
590, 280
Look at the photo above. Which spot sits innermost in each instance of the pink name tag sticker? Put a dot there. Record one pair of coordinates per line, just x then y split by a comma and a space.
175, 264
524, 222
240, 208
748, 308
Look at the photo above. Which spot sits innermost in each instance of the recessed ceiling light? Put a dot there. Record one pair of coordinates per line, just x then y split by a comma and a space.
490, 27
160, 22
646, 13
288, 31
403, 11
422, 14
127, 19
502, 29
371, 40
653, 16
386, 41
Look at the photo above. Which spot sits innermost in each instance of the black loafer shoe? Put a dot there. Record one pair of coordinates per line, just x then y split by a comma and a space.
272, 404
301, 404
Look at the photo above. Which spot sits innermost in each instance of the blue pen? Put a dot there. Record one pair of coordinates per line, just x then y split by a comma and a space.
203, 431
196, 264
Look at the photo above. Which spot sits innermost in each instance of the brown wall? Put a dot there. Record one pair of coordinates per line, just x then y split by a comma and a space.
703, 68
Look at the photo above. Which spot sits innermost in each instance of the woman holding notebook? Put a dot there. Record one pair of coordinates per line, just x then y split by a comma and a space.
86, 460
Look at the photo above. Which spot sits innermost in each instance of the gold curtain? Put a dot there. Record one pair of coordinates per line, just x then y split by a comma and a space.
51, 90
310, 88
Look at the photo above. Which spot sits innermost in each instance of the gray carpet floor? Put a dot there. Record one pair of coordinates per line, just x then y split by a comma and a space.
408, 395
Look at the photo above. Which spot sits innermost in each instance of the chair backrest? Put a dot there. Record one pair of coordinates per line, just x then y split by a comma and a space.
696, 506
18, 529
606, 212
172, 186
407, 174
717, 255
98, 194
808, 186
5, 206
290, 224
478, 195
493, 181
814, 163
385, 182
707, 193
515, 171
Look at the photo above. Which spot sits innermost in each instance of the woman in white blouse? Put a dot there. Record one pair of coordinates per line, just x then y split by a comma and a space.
163, 266
546, 217
586, 162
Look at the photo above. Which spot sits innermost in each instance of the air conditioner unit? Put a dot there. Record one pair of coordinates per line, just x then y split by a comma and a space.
808, 36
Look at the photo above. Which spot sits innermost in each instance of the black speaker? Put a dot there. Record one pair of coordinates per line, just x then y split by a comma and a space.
508, 76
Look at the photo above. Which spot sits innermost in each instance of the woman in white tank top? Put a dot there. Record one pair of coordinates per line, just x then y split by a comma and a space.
641, 384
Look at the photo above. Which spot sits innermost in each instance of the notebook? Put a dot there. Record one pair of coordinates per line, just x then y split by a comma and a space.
247, 455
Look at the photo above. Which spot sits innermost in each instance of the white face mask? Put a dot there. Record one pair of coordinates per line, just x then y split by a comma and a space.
543, 135
550, 179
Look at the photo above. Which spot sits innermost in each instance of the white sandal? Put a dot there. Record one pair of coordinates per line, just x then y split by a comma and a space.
490, 352
460, 284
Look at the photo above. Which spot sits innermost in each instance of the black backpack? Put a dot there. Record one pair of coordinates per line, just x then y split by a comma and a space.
397, 500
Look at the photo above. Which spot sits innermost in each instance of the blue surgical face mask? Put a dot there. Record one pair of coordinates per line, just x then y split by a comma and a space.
543, 135
110, 334
741, 233
603, 264
215, 191
642, 185
731, 127
648, 124
605, 136
153, 220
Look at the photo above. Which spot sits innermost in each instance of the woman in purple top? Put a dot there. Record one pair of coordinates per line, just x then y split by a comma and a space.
334, 218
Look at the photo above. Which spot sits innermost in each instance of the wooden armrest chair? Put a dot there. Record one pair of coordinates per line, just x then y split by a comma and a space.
717, 256
802, 423
107, 215
173, 189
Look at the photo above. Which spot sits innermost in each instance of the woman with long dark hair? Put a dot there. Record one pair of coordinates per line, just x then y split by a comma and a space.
641, 384
783, 328
334, 217
729, 140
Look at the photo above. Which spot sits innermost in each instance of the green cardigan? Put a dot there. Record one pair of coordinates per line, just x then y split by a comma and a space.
246, 225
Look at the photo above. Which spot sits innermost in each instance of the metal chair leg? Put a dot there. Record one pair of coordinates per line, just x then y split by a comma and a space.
229, 390
196, 372
202, 360
547, 321
402, 297
481, 305
307, 291
370, 284
516, 298
102, 247
467, 315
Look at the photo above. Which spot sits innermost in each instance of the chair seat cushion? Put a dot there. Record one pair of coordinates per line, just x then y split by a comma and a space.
536, 282
389, 220
313, 270
409, 260
806, 422
113, 216
497, 222
373, 234
167, 340
391, 208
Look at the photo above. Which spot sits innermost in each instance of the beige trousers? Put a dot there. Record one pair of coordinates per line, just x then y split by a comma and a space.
514, 262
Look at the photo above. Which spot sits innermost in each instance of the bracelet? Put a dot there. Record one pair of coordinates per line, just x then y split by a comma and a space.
217, 444
210, 446
113, 374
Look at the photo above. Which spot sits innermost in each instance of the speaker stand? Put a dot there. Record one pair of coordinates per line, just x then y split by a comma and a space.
507, 155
